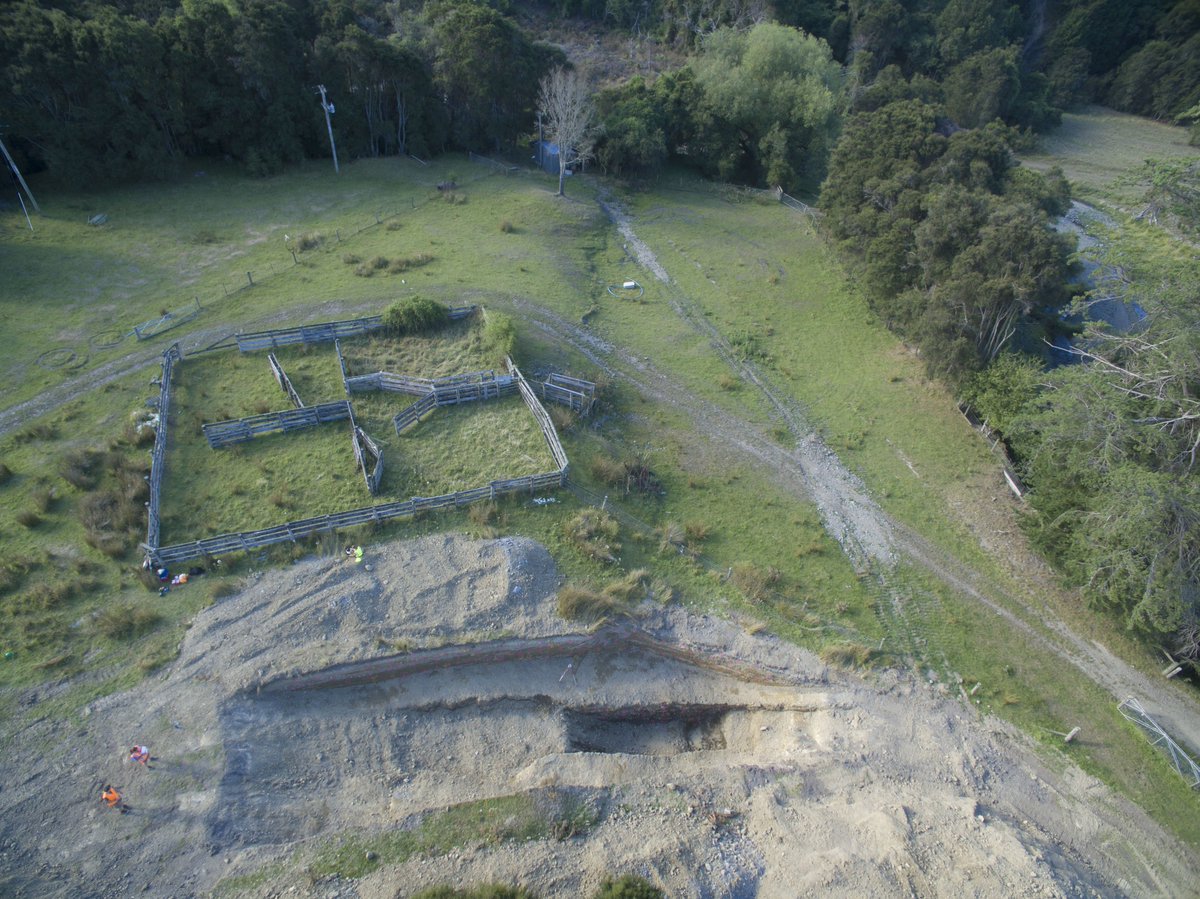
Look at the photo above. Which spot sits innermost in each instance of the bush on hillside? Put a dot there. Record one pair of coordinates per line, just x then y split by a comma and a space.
414, 315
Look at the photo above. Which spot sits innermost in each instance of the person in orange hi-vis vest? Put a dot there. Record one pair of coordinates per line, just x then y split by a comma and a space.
111, 796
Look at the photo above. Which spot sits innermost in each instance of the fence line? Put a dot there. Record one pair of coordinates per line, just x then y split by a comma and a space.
157, 458
319, 333
542, 418
324, 332
166, 321
576, 393
376, 475
434, 391
228, 342
1183, 763
410, 415
283, 380
382, 380
811, 211
998, 450
502, 167
223, 433
297, 530
362, 446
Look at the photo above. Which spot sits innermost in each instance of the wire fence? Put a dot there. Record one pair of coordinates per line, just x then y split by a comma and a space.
1132, 710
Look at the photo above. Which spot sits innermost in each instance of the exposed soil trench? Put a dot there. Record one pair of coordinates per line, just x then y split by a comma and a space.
431, 728
717, 762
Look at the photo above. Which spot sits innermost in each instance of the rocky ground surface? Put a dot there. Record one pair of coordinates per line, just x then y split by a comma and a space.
329, 698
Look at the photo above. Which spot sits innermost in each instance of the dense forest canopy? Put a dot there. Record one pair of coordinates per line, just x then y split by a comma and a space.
903, 113
92, 89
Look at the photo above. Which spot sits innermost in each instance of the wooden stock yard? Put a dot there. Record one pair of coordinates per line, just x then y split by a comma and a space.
431, 393
284, 381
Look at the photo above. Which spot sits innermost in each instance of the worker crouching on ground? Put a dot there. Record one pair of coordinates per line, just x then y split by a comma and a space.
113, 799
140, 754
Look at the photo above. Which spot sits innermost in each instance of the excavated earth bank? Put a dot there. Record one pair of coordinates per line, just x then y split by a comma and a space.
329, 698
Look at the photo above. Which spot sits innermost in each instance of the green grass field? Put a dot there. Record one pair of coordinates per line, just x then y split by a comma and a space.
754, 270
1098, 150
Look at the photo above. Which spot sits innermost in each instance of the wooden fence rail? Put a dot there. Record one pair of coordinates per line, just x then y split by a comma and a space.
324, 332
297, 530
410, 415
575, 393
223, 433
284, 381
158, 456
364, 446
542, 418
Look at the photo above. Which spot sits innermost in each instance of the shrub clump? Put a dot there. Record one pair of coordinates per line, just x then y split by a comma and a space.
627, 886
414, 315
755, 583
594, 533
6, 473
499, 335
847, 655
126, 621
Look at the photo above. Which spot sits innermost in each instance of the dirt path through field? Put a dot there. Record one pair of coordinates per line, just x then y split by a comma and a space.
866, 533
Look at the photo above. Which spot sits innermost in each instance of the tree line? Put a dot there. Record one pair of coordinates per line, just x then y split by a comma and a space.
109, 90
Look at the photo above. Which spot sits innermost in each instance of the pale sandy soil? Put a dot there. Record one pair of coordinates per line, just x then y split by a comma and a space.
717, 762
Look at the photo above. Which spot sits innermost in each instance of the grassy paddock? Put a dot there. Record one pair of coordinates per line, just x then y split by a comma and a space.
1097, 148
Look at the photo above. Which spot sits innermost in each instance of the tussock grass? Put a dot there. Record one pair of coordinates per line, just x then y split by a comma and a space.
28, 518
847, 655
581, 604
754, 582
594, 533
310, 240
126, 621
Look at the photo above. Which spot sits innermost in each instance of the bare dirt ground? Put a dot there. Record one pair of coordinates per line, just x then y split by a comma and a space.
716, 762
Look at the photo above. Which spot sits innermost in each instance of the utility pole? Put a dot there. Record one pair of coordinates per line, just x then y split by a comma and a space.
328, 107
16, 171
